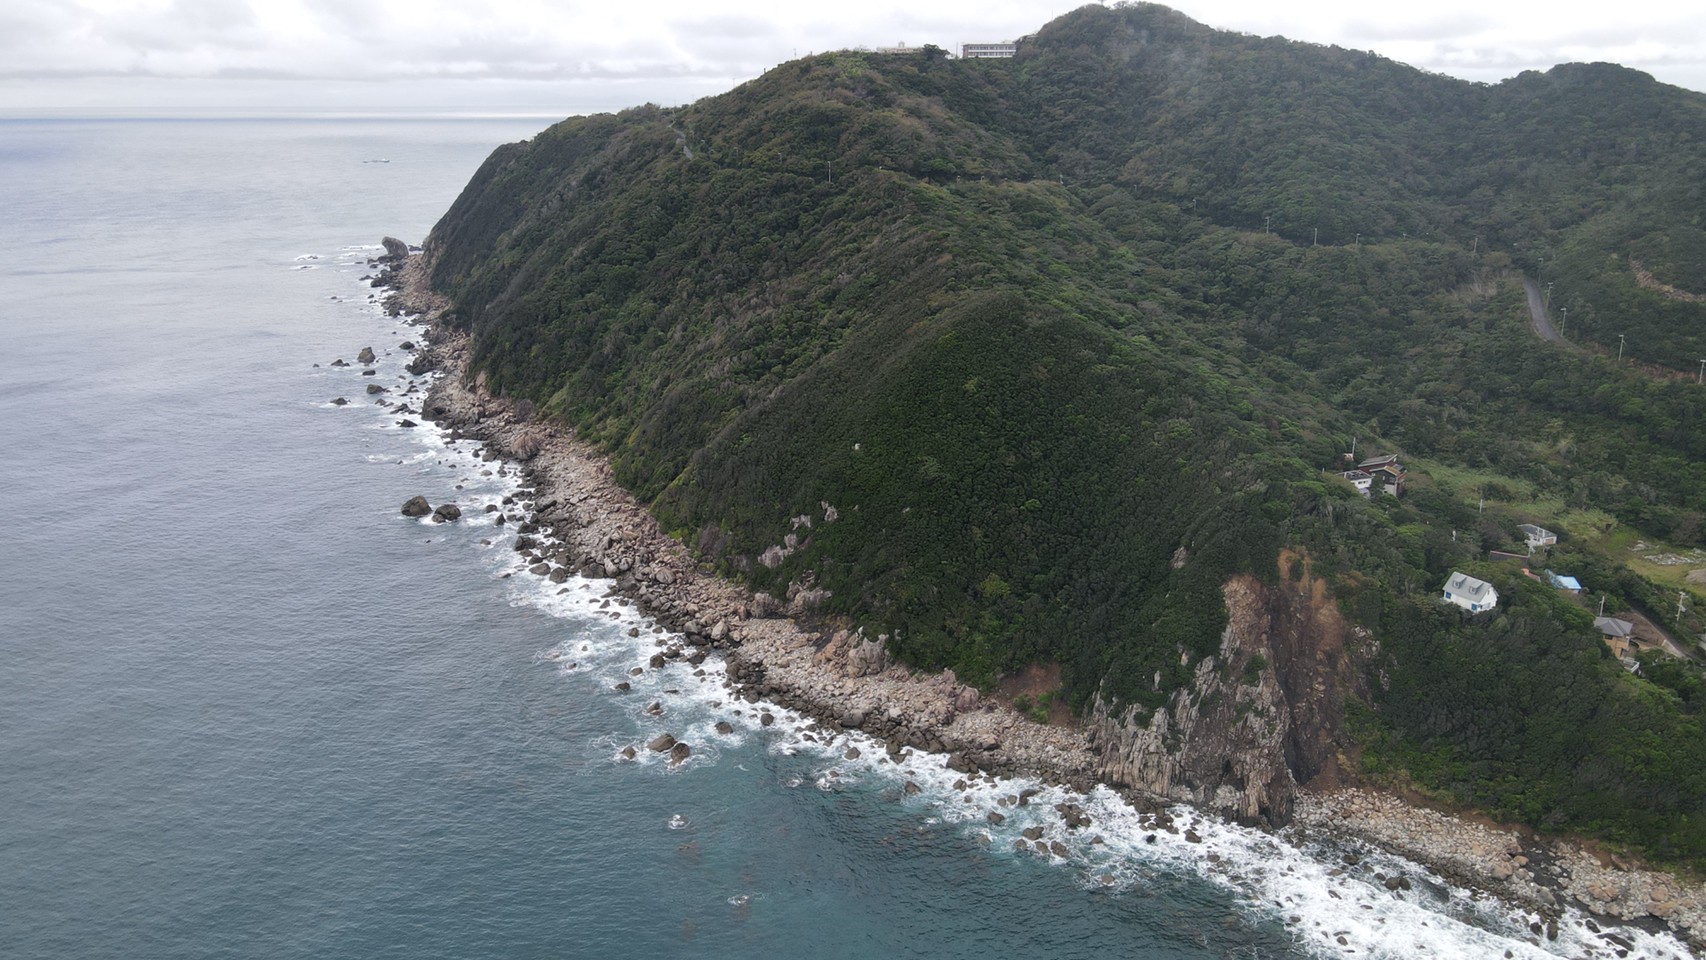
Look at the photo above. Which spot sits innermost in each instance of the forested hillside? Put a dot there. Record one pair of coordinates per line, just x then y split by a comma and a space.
1019, 361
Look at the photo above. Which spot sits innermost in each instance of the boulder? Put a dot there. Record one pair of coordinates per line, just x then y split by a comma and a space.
724, 727
339, 401
395, 249
365, 356
679, 752
661, 743
416, 506
867, 657
407, 424
446, 513
852, 718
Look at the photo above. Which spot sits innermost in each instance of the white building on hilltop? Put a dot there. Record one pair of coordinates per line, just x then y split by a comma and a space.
988, 51
1469, 593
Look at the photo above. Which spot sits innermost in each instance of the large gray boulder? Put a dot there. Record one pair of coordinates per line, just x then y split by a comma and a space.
416, 506
395, 249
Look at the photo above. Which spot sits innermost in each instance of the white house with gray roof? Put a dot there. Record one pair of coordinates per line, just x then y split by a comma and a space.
1469, 593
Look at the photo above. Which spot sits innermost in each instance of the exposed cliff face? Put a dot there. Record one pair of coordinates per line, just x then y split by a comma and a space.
1260, 718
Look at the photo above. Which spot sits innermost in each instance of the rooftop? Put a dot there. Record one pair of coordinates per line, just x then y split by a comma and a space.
1613, 627
1467, 587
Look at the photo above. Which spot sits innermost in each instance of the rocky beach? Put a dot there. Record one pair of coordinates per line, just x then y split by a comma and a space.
573, 519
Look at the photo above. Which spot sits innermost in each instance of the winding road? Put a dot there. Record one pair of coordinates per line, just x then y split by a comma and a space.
1538, 319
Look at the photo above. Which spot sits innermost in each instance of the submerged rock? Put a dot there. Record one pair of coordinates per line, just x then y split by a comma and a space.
416, 506
679, 752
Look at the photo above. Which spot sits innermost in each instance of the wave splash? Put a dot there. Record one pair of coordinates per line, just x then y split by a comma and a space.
1334, 901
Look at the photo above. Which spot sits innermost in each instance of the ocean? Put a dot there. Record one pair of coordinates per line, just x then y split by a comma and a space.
247, 709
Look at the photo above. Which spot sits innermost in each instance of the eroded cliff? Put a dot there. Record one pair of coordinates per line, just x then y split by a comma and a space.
1261, 717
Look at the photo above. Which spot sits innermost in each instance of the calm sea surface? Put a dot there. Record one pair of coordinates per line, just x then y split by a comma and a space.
247, 710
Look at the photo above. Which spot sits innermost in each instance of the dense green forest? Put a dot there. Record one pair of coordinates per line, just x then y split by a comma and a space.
1047, 349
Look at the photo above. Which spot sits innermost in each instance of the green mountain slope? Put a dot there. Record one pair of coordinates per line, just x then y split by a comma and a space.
1064, 342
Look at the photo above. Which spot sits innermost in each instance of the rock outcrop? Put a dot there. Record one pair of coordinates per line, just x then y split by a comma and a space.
394, 249
1259, 718
416, 506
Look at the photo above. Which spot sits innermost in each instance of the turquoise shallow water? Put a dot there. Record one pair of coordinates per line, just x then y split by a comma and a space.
246, 710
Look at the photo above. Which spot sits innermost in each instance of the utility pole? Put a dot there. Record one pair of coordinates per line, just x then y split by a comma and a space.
1548, 294
1475, 247
1620, 346
1680, 594
1701, 378
1564, 322
1602, 604
1359, 243
832, 171
1317, 241
1267, 224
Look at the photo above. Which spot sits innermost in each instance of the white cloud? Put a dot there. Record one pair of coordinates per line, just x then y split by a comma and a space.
692, 47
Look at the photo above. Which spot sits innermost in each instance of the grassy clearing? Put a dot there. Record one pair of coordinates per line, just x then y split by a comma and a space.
1644, 555
1518, 497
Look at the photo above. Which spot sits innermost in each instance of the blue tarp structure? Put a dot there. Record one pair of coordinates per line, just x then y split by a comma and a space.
1564, 583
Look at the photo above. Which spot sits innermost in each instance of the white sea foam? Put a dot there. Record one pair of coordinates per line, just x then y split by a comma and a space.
1330, 909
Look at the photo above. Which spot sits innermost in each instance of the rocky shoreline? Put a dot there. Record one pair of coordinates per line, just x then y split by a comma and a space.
582, 522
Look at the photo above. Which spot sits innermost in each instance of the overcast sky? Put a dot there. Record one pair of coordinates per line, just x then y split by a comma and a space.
553, 57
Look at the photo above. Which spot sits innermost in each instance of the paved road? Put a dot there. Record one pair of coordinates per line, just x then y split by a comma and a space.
1538, 319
